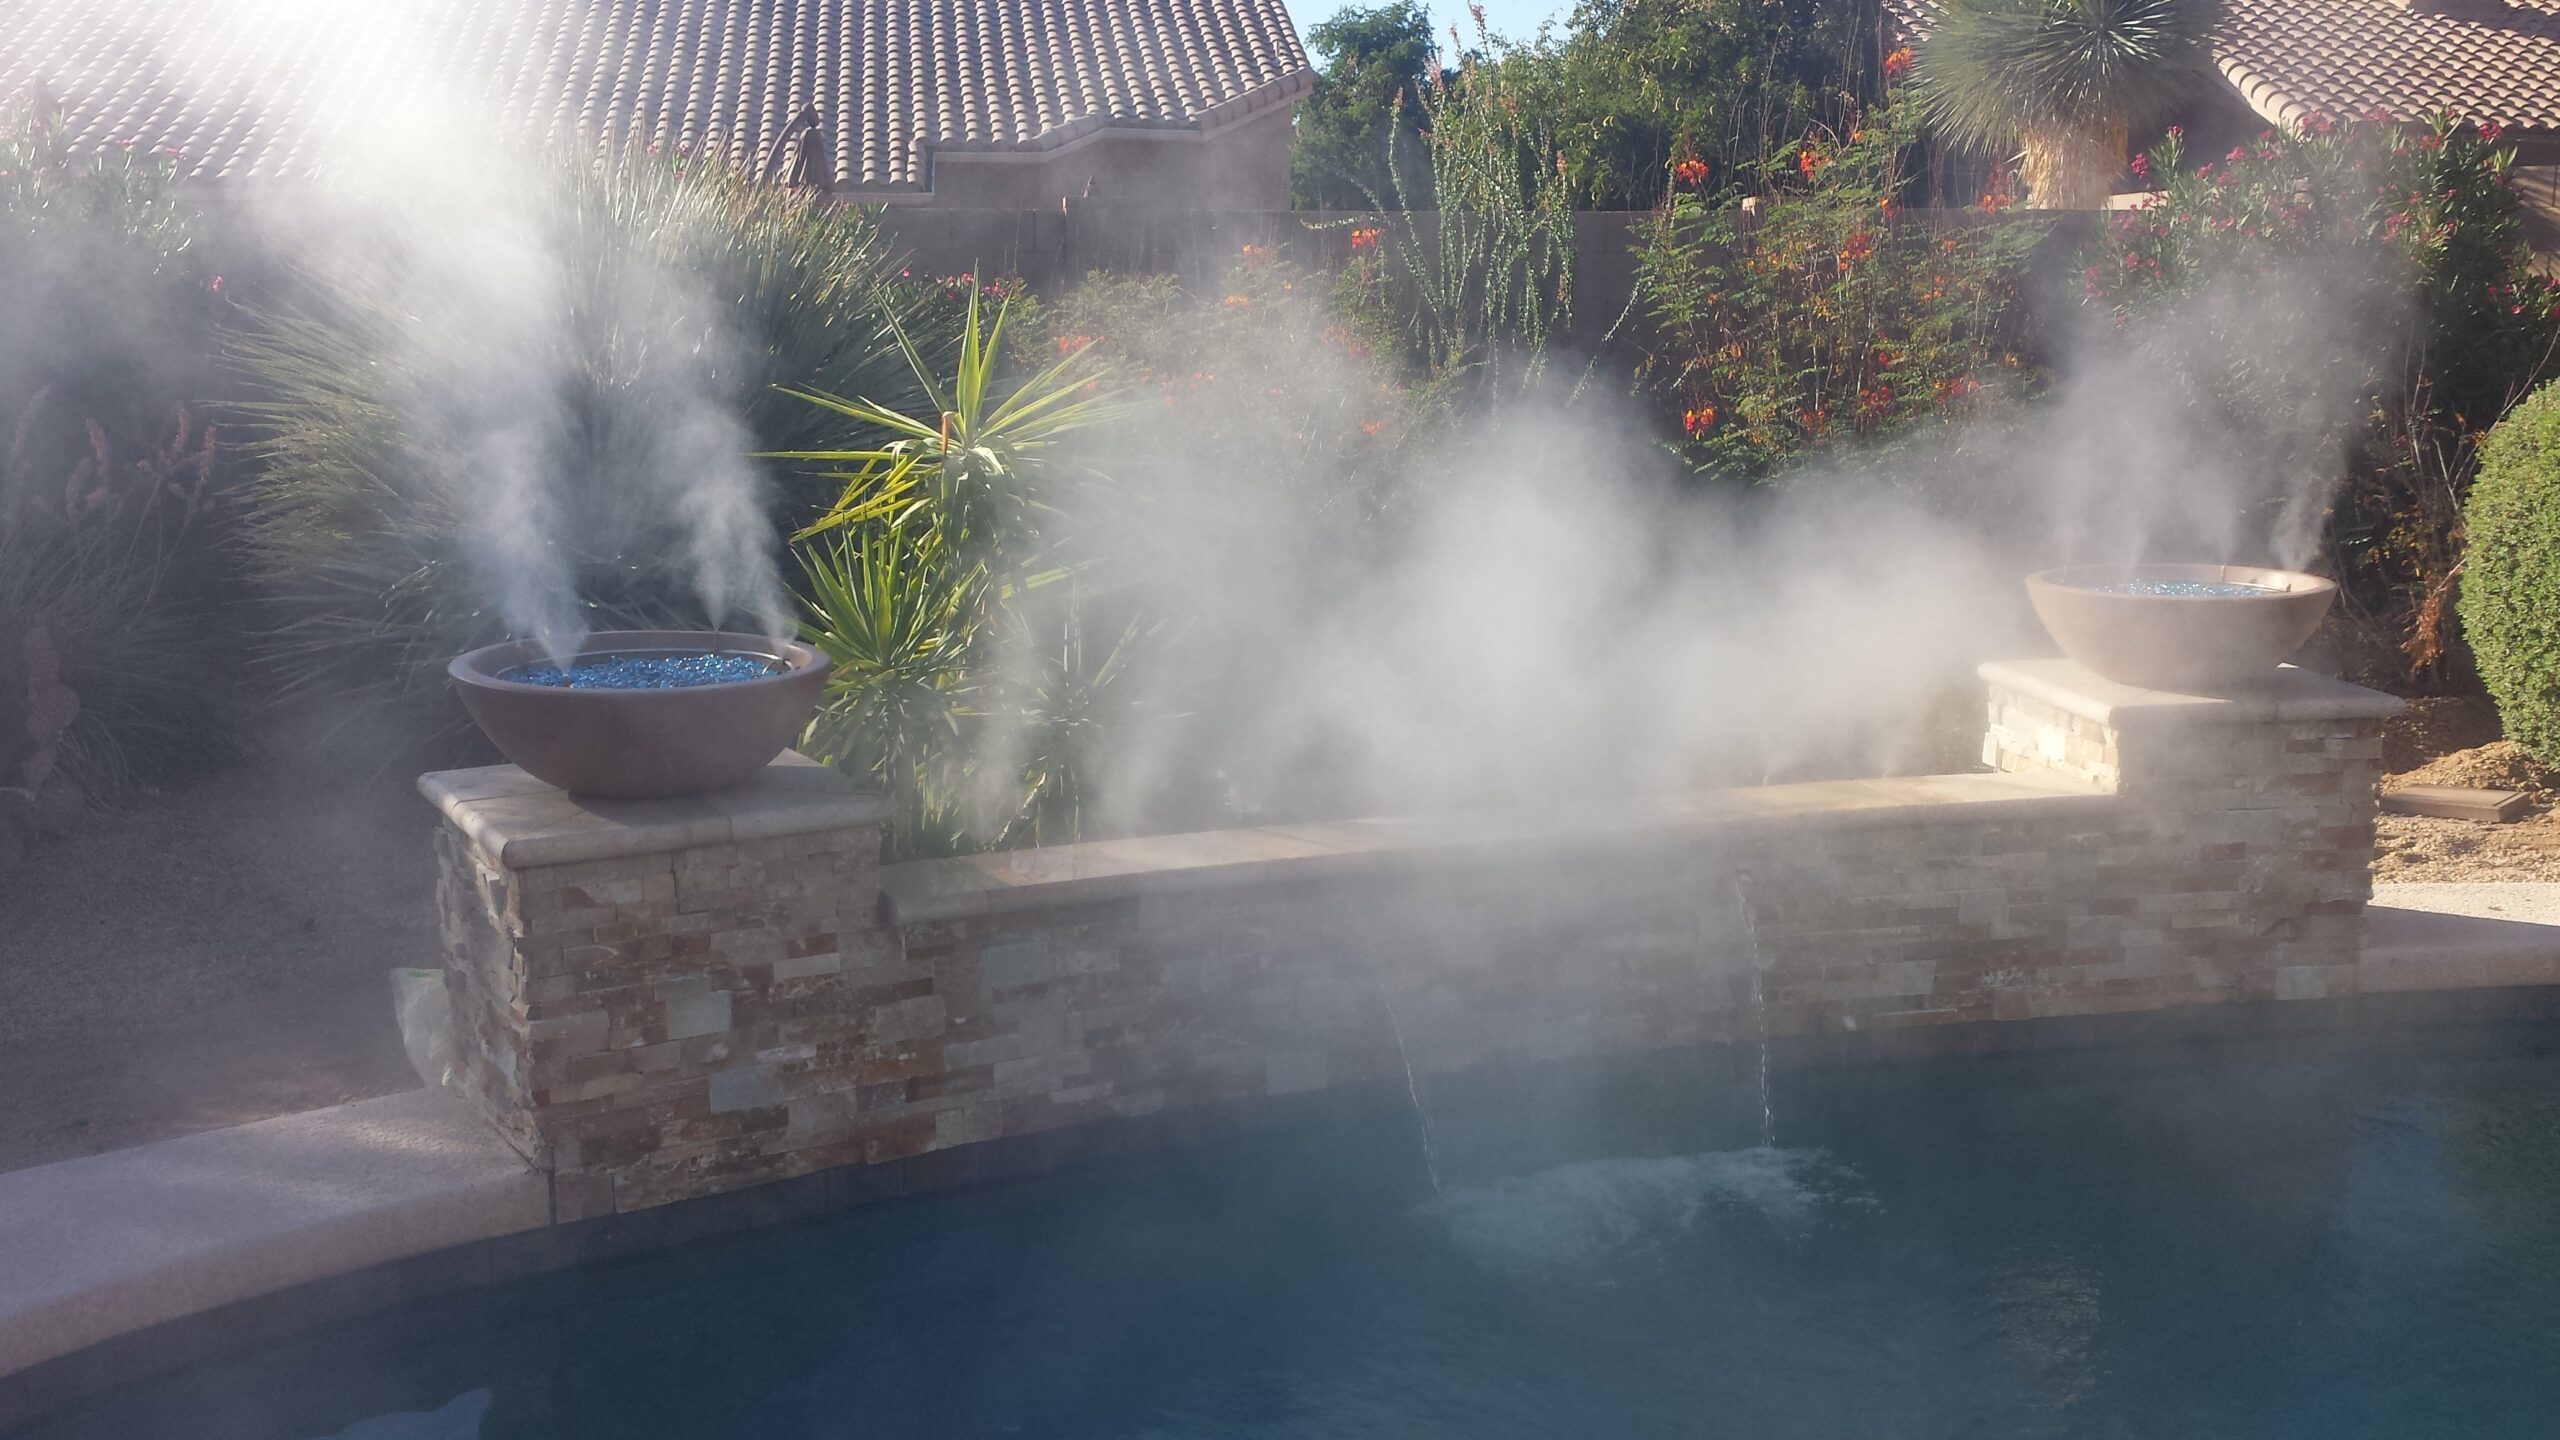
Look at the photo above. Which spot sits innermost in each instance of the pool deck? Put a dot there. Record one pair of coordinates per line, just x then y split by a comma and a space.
112, 1244
2460, 937
101, 1246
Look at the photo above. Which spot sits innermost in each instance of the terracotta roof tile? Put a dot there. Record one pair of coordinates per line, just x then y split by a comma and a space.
2482, 61
239, 87
2491, 64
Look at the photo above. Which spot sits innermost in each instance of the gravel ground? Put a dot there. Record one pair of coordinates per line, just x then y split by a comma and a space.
2417, 848
210, 957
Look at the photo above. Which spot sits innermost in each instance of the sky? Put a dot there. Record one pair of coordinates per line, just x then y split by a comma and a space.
1518, 19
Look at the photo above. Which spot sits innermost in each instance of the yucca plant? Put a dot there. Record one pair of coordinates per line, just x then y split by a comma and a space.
982, 466
897, 620
917, 582
679, 291
2061, 83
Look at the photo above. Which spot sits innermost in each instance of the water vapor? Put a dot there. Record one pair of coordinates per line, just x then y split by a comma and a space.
569, 387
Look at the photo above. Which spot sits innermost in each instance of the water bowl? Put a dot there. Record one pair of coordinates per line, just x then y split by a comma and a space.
2198, 628
643, 714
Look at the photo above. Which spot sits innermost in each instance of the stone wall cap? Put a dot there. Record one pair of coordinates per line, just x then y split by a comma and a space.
113, 1243
524, 824
1095, 871
2289, 693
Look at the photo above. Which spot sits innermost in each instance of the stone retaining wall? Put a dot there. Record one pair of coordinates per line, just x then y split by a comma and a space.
673, 1001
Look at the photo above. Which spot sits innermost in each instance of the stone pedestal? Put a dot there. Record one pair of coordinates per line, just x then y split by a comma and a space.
2243, 858
641, 987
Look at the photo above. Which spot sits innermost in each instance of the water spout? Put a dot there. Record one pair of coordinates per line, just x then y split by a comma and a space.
1759, 1008
1413, 1091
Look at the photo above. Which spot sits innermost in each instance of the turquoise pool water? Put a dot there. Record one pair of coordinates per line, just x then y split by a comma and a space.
2319, 1238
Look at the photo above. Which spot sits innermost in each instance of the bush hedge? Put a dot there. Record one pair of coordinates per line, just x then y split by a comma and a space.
2511, 572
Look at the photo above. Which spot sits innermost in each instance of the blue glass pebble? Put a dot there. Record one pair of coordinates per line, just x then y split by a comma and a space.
2207, 589
645, 672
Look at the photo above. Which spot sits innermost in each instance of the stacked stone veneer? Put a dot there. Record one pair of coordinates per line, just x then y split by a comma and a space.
634, 982
674, 1000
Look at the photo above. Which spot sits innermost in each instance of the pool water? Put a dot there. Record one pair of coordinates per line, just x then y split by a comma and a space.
2323, 1238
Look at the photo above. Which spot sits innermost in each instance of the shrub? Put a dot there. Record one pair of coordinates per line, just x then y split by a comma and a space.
92, 613
2511, 578
109, 311
1821, 316
960, 685
113, 663
2359, 298
679, 295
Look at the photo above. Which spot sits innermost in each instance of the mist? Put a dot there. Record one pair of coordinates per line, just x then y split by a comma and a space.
1549, 610
576, 407
1538, 609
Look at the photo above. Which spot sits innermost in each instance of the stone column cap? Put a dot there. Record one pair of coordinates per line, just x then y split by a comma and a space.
524, 824
2289, 693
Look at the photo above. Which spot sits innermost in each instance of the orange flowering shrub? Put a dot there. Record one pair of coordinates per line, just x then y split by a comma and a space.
1832, 319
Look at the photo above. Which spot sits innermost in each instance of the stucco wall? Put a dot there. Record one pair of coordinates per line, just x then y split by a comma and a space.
1244, 166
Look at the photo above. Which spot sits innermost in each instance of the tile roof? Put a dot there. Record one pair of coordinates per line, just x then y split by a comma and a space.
242, 88
2481, 60
2487, 63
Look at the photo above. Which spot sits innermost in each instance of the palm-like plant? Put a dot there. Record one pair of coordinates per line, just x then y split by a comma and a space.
919, 575
2063, 81
982, 468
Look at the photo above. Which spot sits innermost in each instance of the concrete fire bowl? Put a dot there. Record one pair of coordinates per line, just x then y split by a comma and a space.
642, 743
2197, 628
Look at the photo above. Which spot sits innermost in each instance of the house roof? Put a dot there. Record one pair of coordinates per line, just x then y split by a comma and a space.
2489, 63
857, 93
2481, 60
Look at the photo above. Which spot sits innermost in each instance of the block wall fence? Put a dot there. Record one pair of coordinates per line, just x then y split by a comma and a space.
660, 1000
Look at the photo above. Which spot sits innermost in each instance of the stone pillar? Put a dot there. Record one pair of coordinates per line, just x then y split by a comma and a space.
642, 988
2242, 859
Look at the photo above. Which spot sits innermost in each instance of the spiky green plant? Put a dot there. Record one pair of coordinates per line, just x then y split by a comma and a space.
980, 463
2061, 83
674, 279
916, 586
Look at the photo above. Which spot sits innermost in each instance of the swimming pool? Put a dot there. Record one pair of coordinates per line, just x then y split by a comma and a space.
2335, 1236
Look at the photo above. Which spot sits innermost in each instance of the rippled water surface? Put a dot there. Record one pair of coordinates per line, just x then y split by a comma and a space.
2322, 1239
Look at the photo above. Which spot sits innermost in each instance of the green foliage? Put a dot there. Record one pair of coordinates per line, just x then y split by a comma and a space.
1640, 85
112, 673
1991, 70
2364, 261
106, 302
933, 309
1281, 371
1379, 62
1485, 282
2511, 581
1821, 316
135, 651
682, 289
920, 588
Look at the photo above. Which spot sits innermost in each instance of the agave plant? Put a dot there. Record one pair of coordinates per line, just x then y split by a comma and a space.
2061, 83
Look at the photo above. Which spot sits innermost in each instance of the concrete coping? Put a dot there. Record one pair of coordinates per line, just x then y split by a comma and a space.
2289, 693
1094, 871
113, 1243
524, 824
